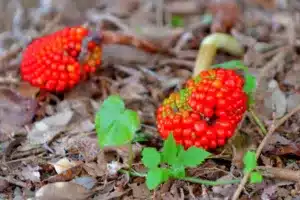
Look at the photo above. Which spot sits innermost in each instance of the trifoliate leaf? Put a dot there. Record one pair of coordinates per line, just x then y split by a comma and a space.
249, 161
193, 156
154, 178
150, 157
177, 171
256, 177
169, 152
114, 124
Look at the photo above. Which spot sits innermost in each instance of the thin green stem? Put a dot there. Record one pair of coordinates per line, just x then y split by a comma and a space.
130, 154
189, 179
211, 183
258, 122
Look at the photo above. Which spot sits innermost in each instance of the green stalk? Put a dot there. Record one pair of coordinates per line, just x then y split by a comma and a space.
258, 122
189, 179
208, 49
130, 154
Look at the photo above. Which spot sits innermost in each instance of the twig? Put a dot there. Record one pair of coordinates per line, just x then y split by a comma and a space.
189, 179
261, 146
280, 173
14, 181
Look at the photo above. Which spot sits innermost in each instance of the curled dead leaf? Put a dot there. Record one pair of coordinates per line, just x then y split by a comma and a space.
62, 191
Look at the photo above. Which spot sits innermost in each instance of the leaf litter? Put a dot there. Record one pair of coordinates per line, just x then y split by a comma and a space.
59, 150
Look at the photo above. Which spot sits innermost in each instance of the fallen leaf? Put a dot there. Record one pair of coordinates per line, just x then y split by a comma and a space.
63, 165
86, 144
27, 90
277, 99
225, 13
86, 181
3, 185
112, 195
122, 8
292, 76
133, 91
67, 175
62, 191
97, 169
140, 191
15, 111
31, 173
45, 130
293, 101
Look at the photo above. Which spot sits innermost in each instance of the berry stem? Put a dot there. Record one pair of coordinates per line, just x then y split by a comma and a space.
130, 153
189, 179
208, 49
258, 121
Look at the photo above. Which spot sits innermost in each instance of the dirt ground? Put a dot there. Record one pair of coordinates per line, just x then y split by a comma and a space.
48, 144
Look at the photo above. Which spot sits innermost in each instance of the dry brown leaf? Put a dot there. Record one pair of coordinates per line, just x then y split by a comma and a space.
86, 144
62, 191
292, 76
122, 8
140, 191
112, 195
15, 111
226, 14
97, 169
67, 175
45, 130
63, 165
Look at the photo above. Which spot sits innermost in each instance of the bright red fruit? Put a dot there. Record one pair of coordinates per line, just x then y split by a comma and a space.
206, 112
51, 62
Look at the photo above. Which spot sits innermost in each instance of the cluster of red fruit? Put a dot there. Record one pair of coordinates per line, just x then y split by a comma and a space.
206, 112
51, 62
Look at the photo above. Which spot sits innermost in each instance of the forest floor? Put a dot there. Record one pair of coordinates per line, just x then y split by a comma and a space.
49, 148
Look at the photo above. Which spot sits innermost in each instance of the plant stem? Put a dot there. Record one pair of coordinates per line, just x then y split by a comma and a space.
258, 121
130, 154
208, 49
211, 183
189, 179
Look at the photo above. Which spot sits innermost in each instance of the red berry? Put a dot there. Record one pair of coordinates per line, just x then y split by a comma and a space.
206, 112
54, 57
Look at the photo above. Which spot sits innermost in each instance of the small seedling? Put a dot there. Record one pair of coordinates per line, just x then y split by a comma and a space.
115, 125
250, 165
171, 162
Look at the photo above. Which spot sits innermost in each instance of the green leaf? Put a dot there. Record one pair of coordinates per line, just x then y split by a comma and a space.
154, 178
177, 171
249, 161
233, 64
169, 152
256, 177
193, 156
115, 125
140, 137
250, 83
177, 21
150, 157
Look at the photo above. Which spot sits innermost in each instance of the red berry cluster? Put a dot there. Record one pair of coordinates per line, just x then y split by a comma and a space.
51, 63
206, 112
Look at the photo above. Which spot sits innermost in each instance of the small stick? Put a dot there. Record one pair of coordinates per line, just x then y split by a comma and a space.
261, 146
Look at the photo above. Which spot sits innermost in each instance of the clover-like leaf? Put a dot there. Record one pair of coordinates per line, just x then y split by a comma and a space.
154, 178
193, 156
115, 125
150, 157
169, 152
